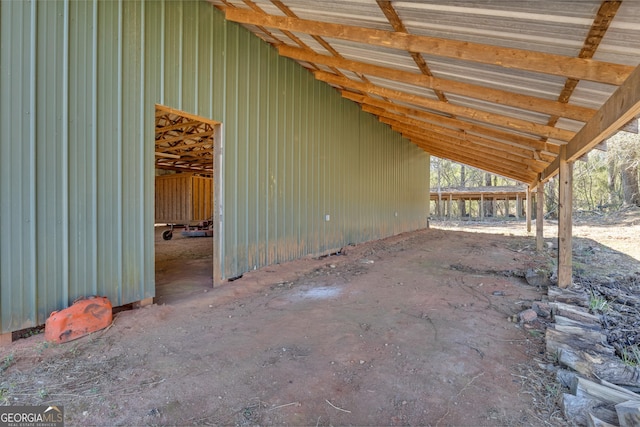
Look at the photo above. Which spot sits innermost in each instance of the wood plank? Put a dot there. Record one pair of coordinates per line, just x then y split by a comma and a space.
609, 368
571, 311
593, 421
583, 387
504, 136
176, 126
558, 342
568, 297
506, 122
162, 110
497, 96
566, 321
628, 413
582, 69
593, 334
577, 409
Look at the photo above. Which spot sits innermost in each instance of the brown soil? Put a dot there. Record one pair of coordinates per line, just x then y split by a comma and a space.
410, 330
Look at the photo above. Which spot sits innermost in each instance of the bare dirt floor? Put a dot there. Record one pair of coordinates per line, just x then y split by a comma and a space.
415, 329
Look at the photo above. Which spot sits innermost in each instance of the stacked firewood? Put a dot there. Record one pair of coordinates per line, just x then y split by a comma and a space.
603, 387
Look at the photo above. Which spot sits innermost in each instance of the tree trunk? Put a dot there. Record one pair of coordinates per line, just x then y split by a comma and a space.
630, 188
488, 204
551, 199
611, 184
463, 183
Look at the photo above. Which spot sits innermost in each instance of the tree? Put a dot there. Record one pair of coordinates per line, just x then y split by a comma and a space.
624, 158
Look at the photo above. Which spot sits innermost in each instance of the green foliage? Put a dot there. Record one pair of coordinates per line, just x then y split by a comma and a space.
631, 355
601, 182
597, 303
6, 362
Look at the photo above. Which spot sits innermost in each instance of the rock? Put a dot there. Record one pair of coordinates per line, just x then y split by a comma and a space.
527, 316
542, 309
536, 277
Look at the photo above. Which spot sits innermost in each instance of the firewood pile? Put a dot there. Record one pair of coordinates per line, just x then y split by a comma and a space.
595, 338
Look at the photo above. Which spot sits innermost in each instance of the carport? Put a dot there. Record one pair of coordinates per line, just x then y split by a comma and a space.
518, 89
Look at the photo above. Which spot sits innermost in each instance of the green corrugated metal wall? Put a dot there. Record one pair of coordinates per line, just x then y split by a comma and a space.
79, 80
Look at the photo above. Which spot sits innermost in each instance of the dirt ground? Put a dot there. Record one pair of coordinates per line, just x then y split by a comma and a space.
410, 330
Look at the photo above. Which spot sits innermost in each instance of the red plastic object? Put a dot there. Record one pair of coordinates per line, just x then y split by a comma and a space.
82, 318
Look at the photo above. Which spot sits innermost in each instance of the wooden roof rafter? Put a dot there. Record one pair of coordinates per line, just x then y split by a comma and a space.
545, 63
499, 92
183, 142
449, 108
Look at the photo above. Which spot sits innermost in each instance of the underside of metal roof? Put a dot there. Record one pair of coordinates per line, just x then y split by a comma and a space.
504, 86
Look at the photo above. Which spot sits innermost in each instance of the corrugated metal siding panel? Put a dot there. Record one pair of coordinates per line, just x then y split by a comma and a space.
79, 84
17, 214
295, 151
77, 189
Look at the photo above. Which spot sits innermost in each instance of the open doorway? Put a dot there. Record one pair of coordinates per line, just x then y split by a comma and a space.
184, 204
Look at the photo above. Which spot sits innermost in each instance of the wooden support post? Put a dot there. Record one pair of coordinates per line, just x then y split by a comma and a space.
6, 339
565, 206
540, 217
481, 207
440, 213
506, 207
449, 206
518, 206
528, 210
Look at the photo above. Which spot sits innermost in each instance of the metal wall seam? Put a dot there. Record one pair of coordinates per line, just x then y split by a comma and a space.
65, 154
142, 153
94, 143
32, 166
119, 154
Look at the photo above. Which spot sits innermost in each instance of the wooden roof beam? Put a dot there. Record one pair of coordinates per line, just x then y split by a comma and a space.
509, 138
481, 153
397, 24
470, 160
460, 111
526, 153
605, 15
578, 68
497, 96
621, 107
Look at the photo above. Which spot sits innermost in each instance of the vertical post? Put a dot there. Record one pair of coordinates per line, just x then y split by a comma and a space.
449, 205
440, 213
528, 211
481, 207
540, 217
518, 206
564, 220
506, 207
